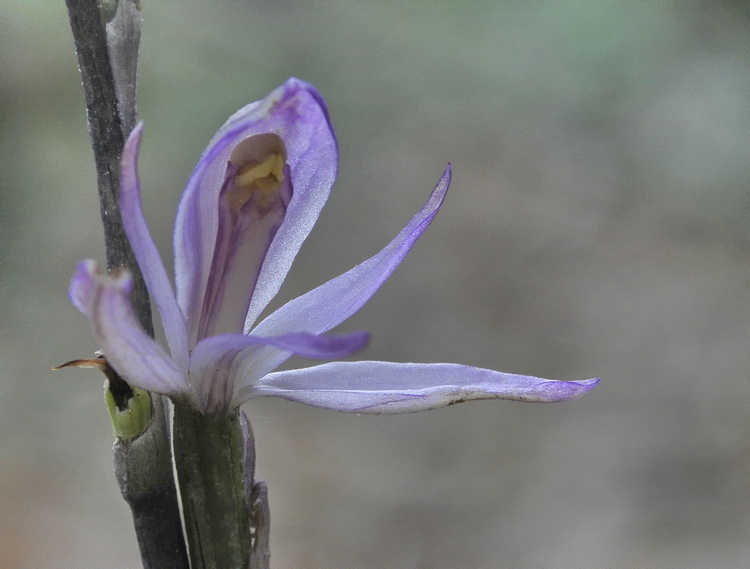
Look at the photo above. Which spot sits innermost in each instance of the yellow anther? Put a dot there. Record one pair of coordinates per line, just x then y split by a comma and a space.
248, 174
264, 178
260, 161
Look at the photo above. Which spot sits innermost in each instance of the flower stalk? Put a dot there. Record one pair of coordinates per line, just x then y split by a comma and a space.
211, 469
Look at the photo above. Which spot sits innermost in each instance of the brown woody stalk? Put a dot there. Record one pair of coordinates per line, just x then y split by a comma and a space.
107, 57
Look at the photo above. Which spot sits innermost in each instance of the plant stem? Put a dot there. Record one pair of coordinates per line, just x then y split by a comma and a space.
107, 140
143, 465
143, 468
213, 476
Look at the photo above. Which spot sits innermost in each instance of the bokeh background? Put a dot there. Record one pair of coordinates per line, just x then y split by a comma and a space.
597, 226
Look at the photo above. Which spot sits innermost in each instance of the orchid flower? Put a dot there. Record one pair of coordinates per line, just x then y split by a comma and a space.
248, 206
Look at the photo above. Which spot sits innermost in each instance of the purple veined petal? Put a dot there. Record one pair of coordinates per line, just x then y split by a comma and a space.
241, 246
333, 302
147, 254
133, 354
221, 365
296, 113
389, 388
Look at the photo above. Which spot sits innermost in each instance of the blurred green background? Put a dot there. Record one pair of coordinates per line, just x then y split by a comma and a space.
596, 226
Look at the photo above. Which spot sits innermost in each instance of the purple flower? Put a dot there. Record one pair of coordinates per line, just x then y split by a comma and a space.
248, 206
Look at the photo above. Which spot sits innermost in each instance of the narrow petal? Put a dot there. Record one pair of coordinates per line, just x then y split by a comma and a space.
133, 354
333, 302
296, 113
389, 388
147, 254
82, 285
221, 365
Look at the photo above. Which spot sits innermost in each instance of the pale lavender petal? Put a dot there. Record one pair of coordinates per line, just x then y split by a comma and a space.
295, 112
333, 302
147, 254
82, 285
133, 354
388, 388
219, 365
241, 247
313, 160
313, 346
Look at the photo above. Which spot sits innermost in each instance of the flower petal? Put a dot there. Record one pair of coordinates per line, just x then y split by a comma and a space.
221, 365
147, 254
388, 388
241, 247
133, 354
82, 286
333, 302
296, 113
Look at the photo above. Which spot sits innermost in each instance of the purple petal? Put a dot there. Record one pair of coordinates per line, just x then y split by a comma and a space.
295, 112
81, 288
241, 246
147, 254
105, 299
333, 302
388, 388
221, 365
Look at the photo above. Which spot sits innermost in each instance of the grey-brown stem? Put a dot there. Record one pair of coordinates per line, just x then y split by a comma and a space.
143, 465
